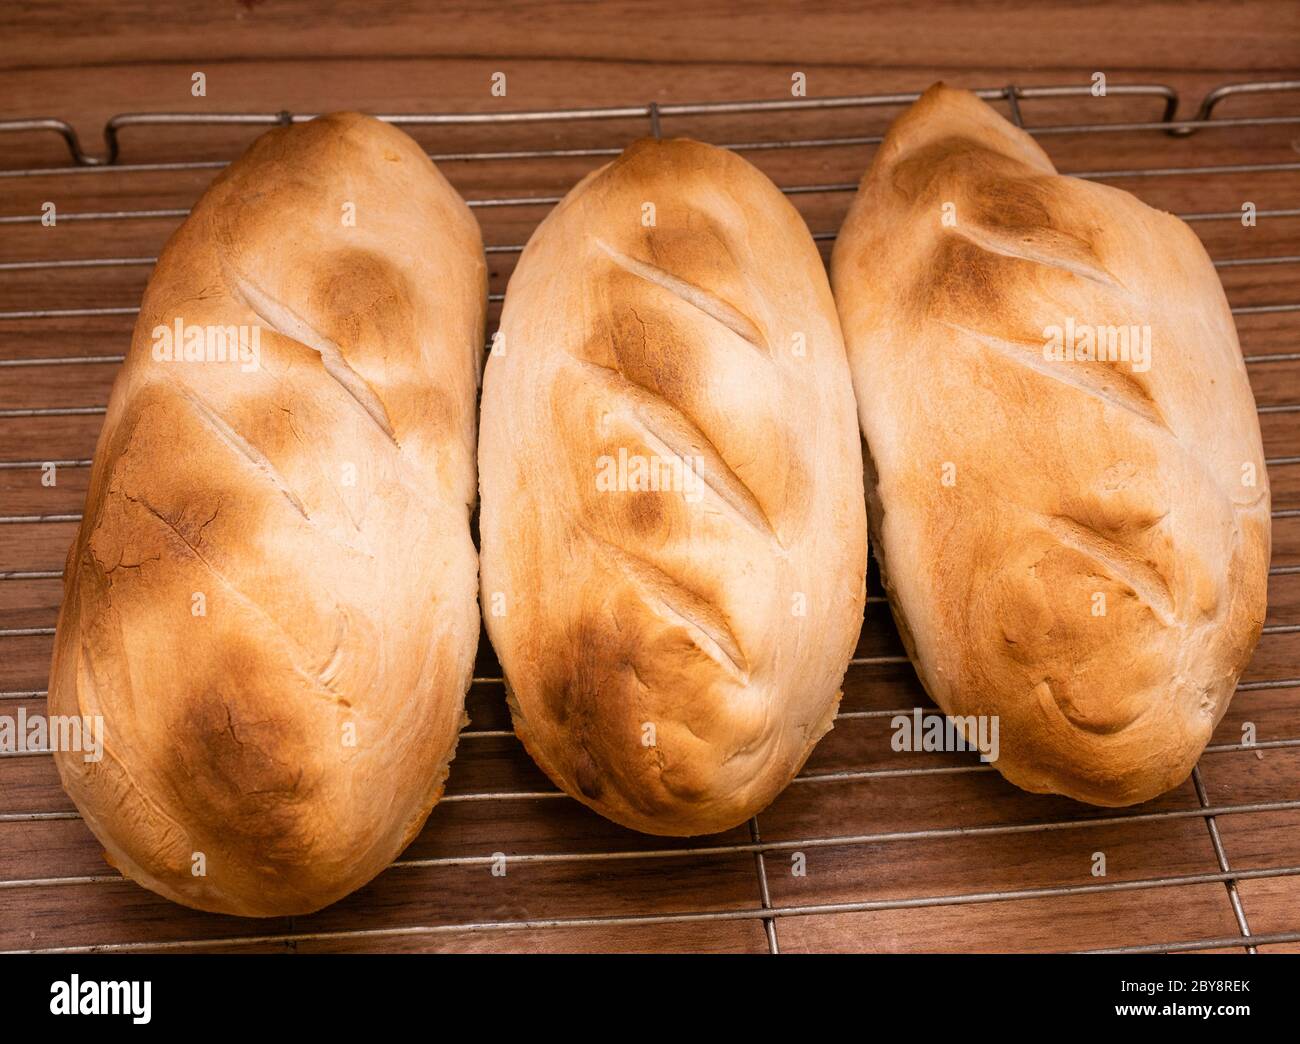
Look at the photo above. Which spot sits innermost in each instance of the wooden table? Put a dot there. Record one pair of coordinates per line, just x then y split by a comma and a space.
929, 851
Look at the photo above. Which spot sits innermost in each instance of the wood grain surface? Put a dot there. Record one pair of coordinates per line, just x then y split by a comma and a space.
900, 851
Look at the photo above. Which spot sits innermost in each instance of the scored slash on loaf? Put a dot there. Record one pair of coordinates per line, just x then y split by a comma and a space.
673, 530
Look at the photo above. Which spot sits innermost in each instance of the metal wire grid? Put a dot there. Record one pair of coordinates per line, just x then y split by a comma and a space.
766, 912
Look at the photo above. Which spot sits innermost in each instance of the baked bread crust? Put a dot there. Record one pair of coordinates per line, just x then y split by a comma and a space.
297, 732
672, 658
1070, 479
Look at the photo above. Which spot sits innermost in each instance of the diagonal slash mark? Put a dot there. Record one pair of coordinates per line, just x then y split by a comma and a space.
695, 296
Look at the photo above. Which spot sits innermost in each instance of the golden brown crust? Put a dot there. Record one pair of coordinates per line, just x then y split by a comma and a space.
298, 730
715, 621
1072, 481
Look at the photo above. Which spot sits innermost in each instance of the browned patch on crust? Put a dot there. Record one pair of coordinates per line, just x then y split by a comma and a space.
646, 513
580, 693
599, 685
965, 280
1014, 205
245, 767
360, 295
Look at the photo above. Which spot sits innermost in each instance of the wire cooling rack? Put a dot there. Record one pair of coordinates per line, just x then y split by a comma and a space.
898, 851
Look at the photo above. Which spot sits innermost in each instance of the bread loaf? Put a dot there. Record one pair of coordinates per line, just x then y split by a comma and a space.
271, 601
673, 541
1067, 490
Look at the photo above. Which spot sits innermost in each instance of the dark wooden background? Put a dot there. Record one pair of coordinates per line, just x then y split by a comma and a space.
931, 851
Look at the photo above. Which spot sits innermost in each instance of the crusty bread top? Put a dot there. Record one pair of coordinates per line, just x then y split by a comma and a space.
295, 724
723, 621
1069, 479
